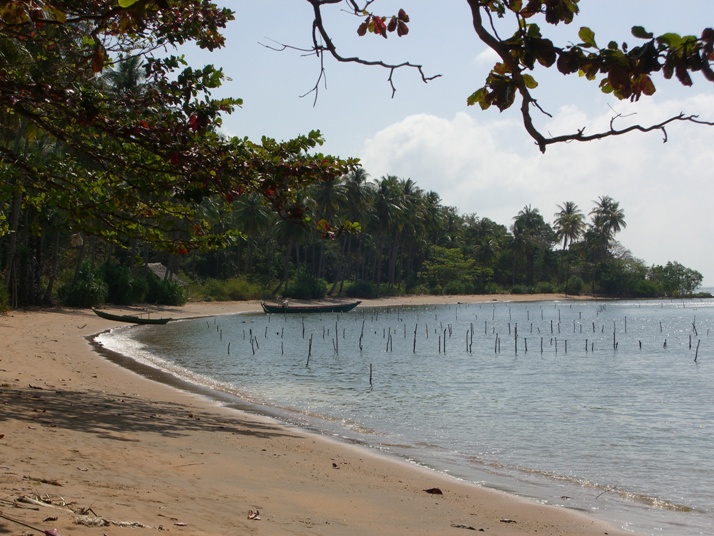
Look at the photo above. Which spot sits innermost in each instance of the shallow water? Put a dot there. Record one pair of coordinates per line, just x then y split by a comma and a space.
597, 406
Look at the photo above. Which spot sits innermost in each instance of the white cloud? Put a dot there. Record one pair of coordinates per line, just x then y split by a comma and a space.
487, 57
665, 189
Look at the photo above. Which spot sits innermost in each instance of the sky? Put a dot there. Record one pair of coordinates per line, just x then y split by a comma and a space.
483, 162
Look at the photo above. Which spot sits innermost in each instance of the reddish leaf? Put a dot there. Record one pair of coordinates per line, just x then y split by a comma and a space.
647, 86
379, 27
98, 59
402, 29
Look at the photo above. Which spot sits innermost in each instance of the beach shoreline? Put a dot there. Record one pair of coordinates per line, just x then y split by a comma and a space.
81, 433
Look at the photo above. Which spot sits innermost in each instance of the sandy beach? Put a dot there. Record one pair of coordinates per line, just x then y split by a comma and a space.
90, 448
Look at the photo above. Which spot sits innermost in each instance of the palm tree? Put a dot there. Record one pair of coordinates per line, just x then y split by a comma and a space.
357, 201
328, 196
252, 217
569, 226
127, 77
608, 219
388, 208
569, 223
530, 233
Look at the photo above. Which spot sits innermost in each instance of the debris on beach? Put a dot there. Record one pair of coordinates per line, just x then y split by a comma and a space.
434, 491
254, 515
467, 527
96, 521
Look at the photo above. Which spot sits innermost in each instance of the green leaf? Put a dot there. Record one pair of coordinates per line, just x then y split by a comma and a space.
671, 39
530, 81
479, 97
127, 3
587, 36
640, 32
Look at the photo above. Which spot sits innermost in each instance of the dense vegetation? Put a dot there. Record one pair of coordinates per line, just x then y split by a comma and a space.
407, 241
112, 156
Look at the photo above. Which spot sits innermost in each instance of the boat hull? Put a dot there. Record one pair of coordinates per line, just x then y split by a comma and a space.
131, 319
309, 309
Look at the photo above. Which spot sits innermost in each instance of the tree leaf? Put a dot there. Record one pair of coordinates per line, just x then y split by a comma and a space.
587, 36
639, 31
479, 97
647, 86
127, 3
530, 82
671, 39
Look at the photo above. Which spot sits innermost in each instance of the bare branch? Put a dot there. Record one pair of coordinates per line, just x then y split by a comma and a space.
615, 132
329, 47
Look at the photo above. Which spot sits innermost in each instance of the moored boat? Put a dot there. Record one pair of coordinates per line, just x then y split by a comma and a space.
287, 307
132, 319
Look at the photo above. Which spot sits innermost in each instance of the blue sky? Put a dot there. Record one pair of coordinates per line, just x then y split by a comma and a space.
484, 162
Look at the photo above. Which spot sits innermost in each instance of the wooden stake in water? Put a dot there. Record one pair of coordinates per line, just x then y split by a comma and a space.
696, 352
370, 374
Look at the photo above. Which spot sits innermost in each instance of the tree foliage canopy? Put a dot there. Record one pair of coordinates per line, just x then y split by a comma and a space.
121, 163
621, 69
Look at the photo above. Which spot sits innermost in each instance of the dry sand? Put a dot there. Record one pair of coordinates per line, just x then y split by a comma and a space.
81, 434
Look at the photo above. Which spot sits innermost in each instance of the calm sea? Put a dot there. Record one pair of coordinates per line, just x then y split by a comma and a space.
604, 407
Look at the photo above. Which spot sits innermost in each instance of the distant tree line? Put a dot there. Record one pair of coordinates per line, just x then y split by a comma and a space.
403, 241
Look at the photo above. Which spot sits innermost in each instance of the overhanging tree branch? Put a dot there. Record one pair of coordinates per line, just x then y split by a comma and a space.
322, 43
623, 71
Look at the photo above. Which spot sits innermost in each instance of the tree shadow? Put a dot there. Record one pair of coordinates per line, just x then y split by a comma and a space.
109, 416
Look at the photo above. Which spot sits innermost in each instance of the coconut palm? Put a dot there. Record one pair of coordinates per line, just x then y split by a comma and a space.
607, 216
388, 208
252, 217
569, 223
530, 234
357, 202
127, 77
608, 219
569, 226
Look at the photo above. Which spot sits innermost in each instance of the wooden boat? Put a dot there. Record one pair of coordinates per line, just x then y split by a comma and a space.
286, 307
132, 319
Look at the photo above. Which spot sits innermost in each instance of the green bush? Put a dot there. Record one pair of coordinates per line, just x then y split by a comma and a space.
419, 290
210, 290
575, 285
520, 289
124, 288
389, 291
90, 289
456, 288
362, 289
644, 288
436, 290
165, 292
545, 287
307, 287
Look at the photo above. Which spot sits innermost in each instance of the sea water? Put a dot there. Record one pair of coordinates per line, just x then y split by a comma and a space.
603, 407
